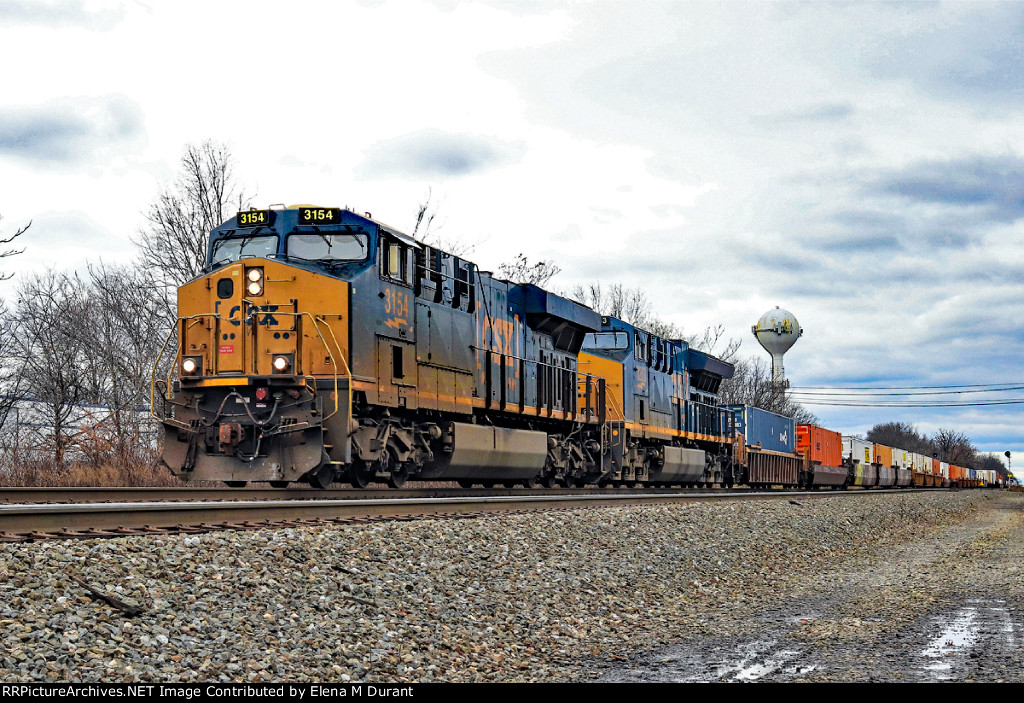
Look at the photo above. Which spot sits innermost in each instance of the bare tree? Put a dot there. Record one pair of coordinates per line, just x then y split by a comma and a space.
11, 251
426, 213
520, 270
428, 225
124, 332
172, 247
991, 462
11, 378
751, 384
628, 304
954, 447
50, 352
902, 435
709, 340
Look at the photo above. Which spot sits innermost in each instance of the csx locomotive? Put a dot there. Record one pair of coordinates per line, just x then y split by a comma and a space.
321, 345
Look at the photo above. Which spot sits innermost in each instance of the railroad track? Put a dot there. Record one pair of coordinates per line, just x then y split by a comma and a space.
44, 521
220, 493
20, 495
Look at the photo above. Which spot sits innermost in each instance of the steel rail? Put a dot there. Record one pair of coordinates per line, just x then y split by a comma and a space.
123, 494
49, 521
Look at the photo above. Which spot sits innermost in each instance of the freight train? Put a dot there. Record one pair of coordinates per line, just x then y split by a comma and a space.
323, 346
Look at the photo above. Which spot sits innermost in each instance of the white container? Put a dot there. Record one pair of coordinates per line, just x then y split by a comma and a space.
860, 450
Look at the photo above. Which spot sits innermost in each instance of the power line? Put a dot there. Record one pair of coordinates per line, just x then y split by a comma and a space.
908, 388
854, 403
855, 392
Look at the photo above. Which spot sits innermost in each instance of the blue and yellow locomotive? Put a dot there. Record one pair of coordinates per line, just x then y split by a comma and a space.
322, 345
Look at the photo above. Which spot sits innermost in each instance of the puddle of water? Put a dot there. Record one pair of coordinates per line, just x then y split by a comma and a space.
958, 634
754, 661
963, 630
775, 661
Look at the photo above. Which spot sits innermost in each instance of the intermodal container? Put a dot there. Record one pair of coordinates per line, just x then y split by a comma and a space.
901, 458
858, 450
936, 467
823, 446
944, 469
883, 455
776, 433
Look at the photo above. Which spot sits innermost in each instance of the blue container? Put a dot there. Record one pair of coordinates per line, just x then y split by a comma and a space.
774, 432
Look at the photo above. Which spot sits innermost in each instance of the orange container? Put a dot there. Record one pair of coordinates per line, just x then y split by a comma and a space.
883, 455
936, 469
823, 446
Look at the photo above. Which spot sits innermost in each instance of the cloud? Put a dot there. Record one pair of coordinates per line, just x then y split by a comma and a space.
58, 13
824, 112
69, 131
432, 153
992, 184
72, 228
962, 50
792, 262
871, 243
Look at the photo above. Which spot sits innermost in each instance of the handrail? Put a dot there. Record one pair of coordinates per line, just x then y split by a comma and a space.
334, 365
316, 325
615, 404
156, 364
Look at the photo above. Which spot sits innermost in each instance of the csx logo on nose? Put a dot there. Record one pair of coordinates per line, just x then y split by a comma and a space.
265, 314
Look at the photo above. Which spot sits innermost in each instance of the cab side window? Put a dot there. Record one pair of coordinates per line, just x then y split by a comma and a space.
639, 347
396, 261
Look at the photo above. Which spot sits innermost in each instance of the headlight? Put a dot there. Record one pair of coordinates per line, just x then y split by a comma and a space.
282, 362
255, 276
191, 365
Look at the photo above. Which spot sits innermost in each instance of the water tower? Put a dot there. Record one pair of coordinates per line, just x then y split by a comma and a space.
777, 331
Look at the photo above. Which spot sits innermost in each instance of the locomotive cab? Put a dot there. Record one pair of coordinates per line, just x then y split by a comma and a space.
261, 371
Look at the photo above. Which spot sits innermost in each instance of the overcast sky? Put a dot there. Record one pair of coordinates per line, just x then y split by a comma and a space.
861, 165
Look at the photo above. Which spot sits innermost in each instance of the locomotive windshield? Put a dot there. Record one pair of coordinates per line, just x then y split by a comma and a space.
325, 246
617, 340
234, 248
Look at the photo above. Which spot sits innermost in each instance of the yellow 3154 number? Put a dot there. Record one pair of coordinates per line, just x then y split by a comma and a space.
253, 217
321, 215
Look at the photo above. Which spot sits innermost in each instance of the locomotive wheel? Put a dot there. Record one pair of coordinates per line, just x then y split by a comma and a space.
321, 477
548, 482
236, 484
279, 484
399, 475
359, 475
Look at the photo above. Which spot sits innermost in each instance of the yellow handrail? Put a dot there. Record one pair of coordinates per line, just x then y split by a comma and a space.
316, 325
156, 364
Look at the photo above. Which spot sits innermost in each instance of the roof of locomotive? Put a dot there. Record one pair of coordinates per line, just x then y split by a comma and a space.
282, 218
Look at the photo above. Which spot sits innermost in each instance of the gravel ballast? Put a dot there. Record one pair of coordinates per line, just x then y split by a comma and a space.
546, 596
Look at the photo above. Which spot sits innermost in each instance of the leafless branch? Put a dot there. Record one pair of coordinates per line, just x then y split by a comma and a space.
4, 253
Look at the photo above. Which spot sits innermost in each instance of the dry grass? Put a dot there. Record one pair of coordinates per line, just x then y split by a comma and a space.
112, 471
